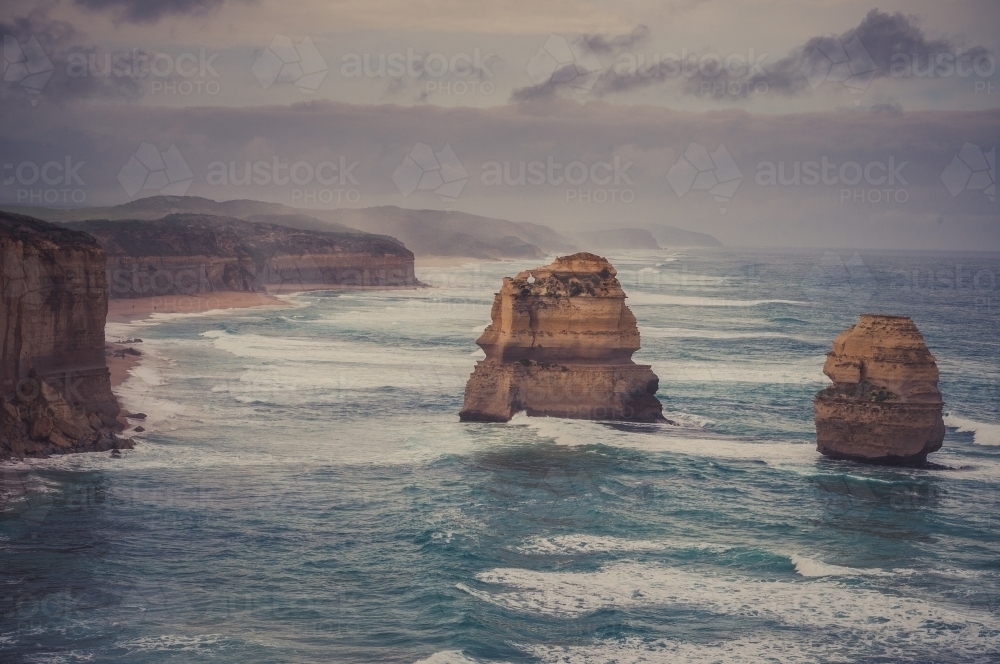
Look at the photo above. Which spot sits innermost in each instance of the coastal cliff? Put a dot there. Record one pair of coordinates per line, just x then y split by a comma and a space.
560, 344
184, 254
56, 385
884, 405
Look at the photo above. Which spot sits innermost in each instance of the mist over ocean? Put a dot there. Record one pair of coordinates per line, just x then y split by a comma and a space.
304, 491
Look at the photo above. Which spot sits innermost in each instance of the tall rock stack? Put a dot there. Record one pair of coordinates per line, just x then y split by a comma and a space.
56, 387
884, 405
560, 344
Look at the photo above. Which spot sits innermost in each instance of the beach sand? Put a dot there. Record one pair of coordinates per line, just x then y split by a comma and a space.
128, 310
120, 364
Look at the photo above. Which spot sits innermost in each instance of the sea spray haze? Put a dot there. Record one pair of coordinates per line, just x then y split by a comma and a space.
302, 488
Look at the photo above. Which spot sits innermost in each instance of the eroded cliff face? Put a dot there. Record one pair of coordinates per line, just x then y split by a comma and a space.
183, 254
56, 385
560, 344
884, 405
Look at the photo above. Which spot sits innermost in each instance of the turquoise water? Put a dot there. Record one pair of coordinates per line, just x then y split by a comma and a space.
306, 493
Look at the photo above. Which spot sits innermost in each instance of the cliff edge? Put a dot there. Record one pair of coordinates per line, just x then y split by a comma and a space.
560, 344
56, 385
884, 405
184, 254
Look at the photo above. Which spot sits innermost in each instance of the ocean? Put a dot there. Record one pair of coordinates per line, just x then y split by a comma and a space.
305, 492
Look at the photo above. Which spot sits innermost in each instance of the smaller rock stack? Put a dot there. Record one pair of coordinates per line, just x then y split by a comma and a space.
884, 405
560, 344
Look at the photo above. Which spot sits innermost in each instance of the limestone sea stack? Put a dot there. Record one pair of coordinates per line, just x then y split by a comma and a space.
560, 344
56, 394
884, 405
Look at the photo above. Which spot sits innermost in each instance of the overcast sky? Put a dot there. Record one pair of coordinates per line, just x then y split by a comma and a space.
777, 123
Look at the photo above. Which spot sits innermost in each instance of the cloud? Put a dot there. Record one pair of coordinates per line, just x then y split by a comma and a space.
882, 43
580, 59
611, 45
59, 40
150, 11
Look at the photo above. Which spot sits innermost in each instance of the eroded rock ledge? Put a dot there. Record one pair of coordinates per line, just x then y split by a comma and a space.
56, 394
560, 344
884, 405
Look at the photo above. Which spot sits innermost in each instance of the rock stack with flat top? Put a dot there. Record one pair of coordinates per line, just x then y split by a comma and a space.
560, 344
884, 405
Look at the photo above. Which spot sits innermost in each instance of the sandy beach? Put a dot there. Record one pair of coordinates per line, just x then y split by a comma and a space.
120, 362
128, 310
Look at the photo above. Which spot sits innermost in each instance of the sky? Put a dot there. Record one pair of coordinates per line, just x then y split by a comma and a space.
762, 122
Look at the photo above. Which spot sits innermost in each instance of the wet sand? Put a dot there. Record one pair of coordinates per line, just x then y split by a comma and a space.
120, 364
128, 310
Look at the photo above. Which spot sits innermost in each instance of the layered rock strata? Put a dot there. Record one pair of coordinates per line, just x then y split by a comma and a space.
560, 344
183, 254
884, 405
56, 385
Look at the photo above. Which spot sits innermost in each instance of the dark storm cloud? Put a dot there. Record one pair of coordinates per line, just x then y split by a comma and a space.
592, 46
614, 44
892, 45
62, 44
546, 90
37, 23
150, 11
